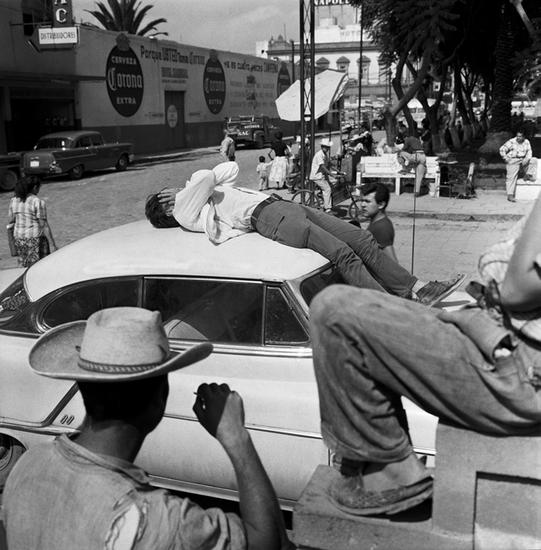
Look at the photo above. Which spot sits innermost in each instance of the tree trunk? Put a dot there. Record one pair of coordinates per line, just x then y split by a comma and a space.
502, 92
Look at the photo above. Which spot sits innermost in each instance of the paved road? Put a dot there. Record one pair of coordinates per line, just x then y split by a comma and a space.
105, 199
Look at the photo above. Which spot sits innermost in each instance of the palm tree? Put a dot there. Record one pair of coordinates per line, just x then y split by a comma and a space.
126, 16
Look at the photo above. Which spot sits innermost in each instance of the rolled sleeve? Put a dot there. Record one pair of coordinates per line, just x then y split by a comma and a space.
177, 523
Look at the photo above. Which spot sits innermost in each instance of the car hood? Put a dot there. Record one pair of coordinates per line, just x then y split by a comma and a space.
7, 276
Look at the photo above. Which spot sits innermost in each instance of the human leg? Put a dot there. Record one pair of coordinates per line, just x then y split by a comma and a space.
388, 273
420, 171
287, 222
370, 348
327, 192
512, 168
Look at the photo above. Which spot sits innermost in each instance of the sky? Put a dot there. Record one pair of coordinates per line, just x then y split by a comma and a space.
233, 25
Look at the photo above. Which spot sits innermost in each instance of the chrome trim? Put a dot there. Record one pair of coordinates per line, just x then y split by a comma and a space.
256, 428
32, 426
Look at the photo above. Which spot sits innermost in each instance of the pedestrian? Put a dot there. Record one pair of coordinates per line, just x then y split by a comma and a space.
261, 170
225, 211
477, 367
321, 174
227, 147
517, 154
83, 490
279, 155
27, 216
374, 201
412, 155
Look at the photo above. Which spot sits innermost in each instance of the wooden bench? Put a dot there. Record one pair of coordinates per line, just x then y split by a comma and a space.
386, 166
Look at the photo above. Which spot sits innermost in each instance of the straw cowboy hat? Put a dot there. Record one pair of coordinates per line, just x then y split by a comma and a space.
119, 344
325, 143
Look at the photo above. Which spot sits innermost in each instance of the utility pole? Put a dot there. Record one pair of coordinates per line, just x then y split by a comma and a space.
359, 118
307, 70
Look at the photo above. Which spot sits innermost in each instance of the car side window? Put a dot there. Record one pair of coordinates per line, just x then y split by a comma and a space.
80, 302
282, 326
96, 139
84, 142
217, 311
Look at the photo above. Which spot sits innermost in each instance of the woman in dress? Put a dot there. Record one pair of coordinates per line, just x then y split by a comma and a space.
28, 217
279, 154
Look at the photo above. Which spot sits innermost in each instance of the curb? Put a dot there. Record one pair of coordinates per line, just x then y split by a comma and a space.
456, 216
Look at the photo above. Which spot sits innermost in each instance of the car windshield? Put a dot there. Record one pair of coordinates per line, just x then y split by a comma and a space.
314, 284
53, 143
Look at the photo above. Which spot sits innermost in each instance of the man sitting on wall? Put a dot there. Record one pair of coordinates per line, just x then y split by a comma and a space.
209, 203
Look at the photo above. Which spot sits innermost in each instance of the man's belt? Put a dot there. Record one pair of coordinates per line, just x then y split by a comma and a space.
258, 209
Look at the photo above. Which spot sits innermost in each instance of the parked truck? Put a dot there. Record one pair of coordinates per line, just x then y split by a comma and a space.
251, 130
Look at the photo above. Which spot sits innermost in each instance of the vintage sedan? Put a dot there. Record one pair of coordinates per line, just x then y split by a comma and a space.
249, 296
74, 153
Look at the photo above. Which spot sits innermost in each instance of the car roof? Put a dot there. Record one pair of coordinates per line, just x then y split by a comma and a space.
140, 249
70, 134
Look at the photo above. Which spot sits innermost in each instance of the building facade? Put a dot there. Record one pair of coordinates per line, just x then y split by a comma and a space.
337, 39
158, 94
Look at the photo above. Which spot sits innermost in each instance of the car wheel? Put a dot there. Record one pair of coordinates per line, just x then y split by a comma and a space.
8, 179
76, 173
260, 142
10, 451
122, 163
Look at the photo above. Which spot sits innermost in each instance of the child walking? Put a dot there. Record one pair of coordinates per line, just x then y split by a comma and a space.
262, 172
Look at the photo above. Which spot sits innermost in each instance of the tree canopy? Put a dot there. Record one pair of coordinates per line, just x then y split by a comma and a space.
127, 16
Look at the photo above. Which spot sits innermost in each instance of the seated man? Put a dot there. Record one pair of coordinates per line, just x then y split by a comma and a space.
120, 359
412, 155
477, 368
374, 201
211, 204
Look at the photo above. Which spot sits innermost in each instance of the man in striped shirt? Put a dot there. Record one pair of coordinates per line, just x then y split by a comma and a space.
517, 153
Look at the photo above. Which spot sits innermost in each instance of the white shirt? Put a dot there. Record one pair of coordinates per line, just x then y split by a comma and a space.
320, 158
208, 205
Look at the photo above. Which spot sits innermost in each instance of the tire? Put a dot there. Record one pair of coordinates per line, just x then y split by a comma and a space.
305, 197
10, 451
76, 173
122, 163
259, 142
8, 179
353, 211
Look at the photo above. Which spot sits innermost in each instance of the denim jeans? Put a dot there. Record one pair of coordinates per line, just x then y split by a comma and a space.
353, 250
418, 161
371, 348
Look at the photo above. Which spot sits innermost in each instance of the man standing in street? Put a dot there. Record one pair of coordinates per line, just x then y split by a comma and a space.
227, 147
374, 201
412, 155
517, 153
320, 173
83, 490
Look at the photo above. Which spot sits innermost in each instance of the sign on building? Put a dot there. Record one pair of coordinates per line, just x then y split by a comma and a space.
62, 13
59, 35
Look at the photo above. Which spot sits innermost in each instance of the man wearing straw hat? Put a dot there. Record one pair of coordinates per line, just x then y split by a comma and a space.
320, 173
83, 491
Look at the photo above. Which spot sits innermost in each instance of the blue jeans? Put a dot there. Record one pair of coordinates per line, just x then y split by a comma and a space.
371, 348
353, 250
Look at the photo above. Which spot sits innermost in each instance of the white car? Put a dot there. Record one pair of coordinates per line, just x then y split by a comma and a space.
249, 296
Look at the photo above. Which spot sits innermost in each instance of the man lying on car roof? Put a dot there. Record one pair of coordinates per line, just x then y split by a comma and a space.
210, 203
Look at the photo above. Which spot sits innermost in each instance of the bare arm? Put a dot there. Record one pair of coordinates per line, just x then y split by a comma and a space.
521, 288
221, 413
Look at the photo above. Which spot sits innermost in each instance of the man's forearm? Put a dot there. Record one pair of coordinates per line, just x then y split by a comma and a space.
258, 503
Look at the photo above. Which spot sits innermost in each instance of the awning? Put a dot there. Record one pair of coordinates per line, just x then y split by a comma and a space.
329, 87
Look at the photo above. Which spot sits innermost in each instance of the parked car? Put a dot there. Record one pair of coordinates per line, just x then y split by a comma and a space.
9, 170
74, 153
256, 131
249, 296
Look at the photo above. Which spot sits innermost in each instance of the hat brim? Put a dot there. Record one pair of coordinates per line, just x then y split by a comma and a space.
56, 355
